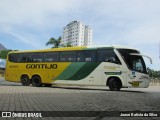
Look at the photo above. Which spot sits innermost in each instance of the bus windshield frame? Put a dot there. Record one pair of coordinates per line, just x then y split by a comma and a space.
133, 60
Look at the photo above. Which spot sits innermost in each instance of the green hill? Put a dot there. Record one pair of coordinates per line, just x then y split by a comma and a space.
2, 47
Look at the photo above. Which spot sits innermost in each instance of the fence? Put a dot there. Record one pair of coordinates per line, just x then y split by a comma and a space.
155, 82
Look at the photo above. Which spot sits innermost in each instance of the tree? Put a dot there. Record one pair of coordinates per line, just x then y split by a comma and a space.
67, 45
54, 42
3, 53
153, 73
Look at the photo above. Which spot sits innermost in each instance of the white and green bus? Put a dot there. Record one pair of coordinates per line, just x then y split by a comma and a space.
113, 66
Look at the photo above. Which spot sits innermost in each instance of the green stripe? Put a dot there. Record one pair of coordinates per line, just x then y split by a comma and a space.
85, 70
70, 71
77, 71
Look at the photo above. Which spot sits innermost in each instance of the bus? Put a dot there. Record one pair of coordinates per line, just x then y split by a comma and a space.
113, 66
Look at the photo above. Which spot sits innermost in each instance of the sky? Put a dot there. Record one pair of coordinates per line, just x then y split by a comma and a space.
29, 24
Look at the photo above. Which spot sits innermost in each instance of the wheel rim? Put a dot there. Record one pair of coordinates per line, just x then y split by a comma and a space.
25, 80
115, 84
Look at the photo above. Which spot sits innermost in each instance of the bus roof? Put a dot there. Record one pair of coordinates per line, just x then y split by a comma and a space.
112, 46
76, 48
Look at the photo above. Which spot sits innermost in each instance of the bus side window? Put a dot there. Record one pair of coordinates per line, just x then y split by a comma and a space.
13, 57
22, 57
36, 57
51, 57
107, 55
86, 56
89, 56
69, 56
80, 56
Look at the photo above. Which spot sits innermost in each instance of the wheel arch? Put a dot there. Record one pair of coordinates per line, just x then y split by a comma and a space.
36, 75
25, 74
116, 77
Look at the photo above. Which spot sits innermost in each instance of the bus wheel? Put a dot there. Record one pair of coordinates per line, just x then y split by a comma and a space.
114, 84
36, 81
25, 81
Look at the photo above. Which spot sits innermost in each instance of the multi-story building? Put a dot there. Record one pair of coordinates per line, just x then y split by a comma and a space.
77, 34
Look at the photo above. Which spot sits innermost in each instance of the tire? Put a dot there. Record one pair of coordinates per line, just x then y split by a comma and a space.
114, 84
47, 85
25, 81
36, 81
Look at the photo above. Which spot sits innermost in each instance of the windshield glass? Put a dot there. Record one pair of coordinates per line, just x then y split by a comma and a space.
138, 64
133, 62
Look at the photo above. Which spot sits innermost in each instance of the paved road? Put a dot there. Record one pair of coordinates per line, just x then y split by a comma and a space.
14, 97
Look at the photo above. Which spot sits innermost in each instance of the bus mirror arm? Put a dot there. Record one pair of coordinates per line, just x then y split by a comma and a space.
150, 60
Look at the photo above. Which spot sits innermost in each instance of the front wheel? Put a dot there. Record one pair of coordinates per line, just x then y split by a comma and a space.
114, 84
36, 81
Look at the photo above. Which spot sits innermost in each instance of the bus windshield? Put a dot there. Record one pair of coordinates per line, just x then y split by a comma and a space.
133, 62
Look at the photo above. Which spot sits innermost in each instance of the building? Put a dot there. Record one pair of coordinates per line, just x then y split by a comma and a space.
77, 34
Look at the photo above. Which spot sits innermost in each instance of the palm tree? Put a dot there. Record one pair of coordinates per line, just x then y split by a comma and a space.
67, 45
54, 42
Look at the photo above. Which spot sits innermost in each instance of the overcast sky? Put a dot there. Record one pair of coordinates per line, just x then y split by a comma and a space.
28, 24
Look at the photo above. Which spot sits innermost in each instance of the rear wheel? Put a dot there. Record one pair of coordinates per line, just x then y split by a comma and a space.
114, 84
25, 81
36, 81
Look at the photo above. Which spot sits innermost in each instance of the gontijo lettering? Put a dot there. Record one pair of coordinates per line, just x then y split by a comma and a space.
41, 66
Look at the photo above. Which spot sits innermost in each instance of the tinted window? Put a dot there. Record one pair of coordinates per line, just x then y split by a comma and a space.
20, 57
51, 56
36, 57
107, 56
13, 57
80, 56
23, 57
86, 56
68, 56
89, 55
